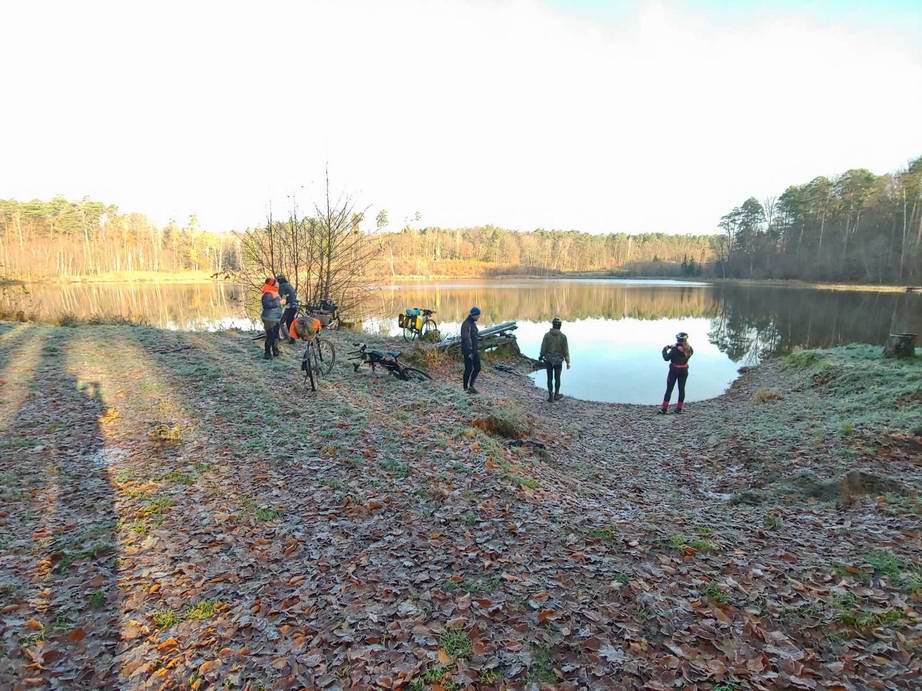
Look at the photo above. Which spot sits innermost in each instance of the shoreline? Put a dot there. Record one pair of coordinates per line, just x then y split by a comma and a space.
755, 283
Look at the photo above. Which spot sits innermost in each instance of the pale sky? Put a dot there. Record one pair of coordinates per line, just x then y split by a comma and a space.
623, 116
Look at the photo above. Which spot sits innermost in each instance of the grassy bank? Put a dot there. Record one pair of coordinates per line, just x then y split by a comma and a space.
177, 512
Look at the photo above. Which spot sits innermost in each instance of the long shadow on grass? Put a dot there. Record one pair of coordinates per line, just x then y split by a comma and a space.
259, 409
12, 338
64, 556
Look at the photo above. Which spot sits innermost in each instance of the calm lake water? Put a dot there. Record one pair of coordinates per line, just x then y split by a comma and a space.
616, 329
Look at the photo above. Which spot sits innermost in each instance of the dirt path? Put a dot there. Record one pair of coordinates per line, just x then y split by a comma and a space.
178, 513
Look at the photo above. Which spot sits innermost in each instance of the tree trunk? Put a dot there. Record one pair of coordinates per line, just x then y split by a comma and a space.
900, 345
822, 228
906, 222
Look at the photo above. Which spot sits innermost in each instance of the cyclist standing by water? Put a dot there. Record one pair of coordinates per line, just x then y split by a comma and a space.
288, 293
677, 356
470, 342
554, 352
271, 315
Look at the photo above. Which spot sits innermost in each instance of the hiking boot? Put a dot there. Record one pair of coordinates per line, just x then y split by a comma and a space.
662, 411
472, 390
550, 398
558, 396
266, 356
275, 352
678, 411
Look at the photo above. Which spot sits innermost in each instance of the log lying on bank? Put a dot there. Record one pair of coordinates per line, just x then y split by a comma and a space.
492, 338
900, 345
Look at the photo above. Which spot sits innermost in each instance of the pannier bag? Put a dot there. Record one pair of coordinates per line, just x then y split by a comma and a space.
408, 321
411, 320
304, 328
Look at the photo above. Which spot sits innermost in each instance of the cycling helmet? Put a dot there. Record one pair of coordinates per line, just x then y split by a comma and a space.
555, 322
475, 311
681, 336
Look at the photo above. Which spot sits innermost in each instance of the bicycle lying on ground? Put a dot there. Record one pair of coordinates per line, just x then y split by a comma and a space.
388, 360
416, 323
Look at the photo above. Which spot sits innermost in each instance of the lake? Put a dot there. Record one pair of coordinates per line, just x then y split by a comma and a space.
616, 328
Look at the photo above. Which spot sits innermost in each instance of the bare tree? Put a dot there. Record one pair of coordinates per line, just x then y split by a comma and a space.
325, 256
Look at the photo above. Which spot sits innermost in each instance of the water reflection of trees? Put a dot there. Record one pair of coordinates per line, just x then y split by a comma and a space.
753, 322
542, 300
190, 306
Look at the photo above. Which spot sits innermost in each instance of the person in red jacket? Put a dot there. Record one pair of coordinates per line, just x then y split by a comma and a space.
677, 356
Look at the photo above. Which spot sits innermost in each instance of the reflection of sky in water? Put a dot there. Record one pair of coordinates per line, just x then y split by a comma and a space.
617, 360
620, 360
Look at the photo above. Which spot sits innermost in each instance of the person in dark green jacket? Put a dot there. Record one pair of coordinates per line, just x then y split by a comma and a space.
554, 352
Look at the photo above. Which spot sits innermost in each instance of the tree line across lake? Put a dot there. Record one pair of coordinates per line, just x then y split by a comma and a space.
856, 227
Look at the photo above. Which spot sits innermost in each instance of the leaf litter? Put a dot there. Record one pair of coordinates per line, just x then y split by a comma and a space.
179, 514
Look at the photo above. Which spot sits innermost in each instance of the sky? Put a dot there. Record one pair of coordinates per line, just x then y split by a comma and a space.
640, 116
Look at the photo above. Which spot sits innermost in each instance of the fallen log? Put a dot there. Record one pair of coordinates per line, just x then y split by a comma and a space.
491, 338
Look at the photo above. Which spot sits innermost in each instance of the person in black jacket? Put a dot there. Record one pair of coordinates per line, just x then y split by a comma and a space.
677, 356
289, 296
470, 342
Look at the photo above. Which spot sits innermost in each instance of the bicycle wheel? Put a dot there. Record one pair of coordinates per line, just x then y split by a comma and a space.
413, 374
308, 369
324, 356
428, 327
410, 334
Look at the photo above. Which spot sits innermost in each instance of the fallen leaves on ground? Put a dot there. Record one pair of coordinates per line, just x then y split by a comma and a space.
178, 513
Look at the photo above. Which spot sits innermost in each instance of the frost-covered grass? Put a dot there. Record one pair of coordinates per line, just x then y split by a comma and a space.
830, 413
860, 391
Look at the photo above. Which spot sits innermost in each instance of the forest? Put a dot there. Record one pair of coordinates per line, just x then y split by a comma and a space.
854, 227
61, 239
488, 250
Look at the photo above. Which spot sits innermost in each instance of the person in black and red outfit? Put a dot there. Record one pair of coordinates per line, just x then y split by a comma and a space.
677, 356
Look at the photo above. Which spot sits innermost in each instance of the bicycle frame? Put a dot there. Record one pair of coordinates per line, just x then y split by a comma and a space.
388, 360
374, 358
